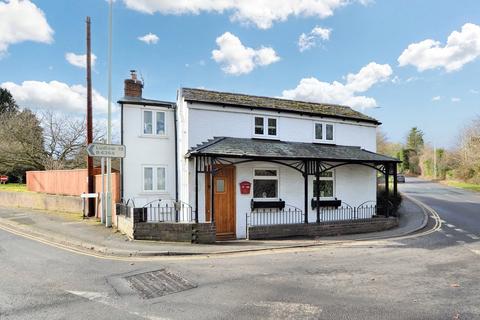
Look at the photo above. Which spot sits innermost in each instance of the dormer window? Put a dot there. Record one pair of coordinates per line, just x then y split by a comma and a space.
265, 127
323, 132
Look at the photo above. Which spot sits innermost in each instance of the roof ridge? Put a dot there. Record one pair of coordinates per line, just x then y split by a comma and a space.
272, 98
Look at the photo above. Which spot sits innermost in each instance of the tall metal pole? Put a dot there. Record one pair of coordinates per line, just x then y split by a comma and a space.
108, 220
90, 182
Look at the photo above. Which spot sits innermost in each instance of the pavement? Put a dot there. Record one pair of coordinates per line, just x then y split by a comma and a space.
72, 232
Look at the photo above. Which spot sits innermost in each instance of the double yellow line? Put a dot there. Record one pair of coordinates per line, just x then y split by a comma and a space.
426, 209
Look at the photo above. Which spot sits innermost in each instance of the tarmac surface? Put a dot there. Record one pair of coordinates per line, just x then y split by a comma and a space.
430, 274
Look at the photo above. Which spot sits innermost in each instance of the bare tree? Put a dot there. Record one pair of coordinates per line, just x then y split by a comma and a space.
65, 140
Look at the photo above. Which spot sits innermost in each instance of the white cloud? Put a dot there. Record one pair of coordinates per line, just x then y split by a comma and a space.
236, 59
455, 99
461, 48
314, 90
22, 21
262, 13
436, 98
149, 38
310, 40
474, 91
79, 60
54, 95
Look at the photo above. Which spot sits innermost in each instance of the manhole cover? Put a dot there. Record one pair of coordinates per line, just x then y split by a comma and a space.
158, 283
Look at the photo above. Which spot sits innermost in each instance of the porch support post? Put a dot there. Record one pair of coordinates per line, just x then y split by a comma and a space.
395, 180
317, 182
305, 177
196, 190
387, 187
212, 191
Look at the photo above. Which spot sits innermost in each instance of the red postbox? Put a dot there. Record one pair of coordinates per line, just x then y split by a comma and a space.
245, 187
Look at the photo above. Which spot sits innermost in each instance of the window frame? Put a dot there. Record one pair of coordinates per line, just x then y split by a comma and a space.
324, 132
276, 177
154, 178
265, 134
154, 123
334, 185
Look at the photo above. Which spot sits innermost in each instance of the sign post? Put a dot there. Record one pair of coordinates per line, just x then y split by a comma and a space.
106, 152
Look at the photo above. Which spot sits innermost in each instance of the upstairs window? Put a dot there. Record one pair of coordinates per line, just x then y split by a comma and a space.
265, 127
323, 132
265, 183
154, 123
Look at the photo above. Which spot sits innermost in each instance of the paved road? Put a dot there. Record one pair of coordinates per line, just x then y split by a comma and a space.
426, 277
459, 210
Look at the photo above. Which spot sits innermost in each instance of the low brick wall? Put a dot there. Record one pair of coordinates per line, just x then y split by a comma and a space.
179, 232
319, 230
41, 201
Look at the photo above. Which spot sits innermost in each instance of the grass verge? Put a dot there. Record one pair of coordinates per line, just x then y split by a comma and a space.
463, 185
14, 187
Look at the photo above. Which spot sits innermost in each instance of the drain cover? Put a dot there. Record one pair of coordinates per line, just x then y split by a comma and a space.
158, 283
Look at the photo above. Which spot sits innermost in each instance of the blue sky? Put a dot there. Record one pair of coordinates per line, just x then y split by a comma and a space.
436, 87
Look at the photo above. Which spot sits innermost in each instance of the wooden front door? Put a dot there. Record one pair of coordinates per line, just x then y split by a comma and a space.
224, 201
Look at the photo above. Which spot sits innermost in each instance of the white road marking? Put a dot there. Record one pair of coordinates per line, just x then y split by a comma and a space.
103, 298
474, 237
450, 225
475, 251
449, 235
460, 230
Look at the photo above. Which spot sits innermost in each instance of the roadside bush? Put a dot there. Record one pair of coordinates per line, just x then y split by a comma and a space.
392, 204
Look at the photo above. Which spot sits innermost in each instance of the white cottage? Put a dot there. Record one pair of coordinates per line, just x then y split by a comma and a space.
270, 161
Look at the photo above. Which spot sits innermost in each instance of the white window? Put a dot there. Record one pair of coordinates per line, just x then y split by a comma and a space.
154, 123
154, 178
265, 127
326, 184
265, 183
323, 132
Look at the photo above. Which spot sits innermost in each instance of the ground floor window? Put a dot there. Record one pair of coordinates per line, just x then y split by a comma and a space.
154, 178
265, 183
326, 185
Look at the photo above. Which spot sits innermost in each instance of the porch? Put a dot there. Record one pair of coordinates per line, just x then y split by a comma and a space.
306, 166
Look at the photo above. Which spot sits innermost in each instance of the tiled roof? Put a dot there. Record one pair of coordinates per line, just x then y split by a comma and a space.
276, 104
274, 149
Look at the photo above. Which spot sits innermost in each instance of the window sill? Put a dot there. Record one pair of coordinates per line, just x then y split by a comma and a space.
266, 137
324, 141
152, 136
149, 193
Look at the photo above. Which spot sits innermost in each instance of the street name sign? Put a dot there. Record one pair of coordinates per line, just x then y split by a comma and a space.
106, 150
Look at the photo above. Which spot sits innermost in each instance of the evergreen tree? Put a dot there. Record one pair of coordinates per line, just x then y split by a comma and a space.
7, 103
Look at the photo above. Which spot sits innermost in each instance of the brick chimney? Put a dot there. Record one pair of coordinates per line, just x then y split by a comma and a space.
133, 86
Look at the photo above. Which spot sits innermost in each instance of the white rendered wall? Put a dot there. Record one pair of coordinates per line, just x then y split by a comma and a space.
142, 150
215, 121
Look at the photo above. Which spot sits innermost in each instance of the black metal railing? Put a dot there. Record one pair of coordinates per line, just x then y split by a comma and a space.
125, 208
273, 216
366, 210
167, 211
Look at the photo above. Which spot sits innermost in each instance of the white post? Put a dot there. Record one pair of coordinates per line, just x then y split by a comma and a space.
108, 220
434, 161
102, 194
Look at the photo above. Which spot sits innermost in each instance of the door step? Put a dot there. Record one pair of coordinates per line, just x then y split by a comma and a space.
226, 236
